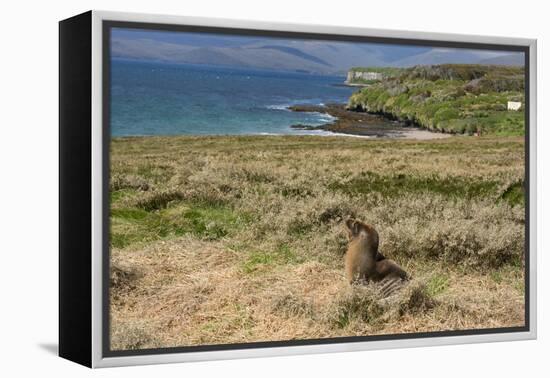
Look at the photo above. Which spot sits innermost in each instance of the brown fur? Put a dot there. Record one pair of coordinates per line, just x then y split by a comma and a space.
363, 261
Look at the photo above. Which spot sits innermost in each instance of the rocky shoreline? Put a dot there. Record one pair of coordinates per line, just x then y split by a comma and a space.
362, 123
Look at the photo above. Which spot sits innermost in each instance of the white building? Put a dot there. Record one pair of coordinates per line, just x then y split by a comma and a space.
514, 105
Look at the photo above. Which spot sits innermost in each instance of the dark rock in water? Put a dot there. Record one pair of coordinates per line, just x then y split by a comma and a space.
351, 122
301, 126
329, 108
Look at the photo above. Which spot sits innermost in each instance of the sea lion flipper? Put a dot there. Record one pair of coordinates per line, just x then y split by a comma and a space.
390, 286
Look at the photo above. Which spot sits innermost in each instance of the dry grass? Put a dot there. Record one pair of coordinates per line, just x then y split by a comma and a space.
240, 239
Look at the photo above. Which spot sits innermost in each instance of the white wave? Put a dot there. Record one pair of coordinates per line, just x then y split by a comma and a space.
323, 133
297, 102
325, 117
329, 134
278, 107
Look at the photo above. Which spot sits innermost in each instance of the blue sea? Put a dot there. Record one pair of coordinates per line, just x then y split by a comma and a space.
149, 98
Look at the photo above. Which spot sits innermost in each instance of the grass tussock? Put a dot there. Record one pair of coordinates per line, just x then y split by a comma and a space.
240, 239
365, 306
415, 298
122, 278
360, 304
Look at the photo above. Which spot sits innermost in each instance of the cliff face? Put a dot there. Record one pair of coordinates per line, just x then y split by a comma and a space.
450, 98
363, 77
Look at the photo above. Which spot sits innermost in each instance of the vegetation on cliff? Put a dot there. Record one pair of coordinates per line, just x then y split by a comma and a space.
453, 98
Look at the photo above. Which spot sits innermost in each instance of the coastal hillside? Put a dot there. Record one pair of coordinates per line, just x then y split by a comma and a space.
453, 98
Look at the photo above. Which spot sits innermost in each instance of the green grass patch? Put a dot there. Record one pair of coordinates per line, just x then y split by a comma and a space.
437, 284
519, 285
213, 222
514, 194
496, 276
133, 225
259, 260
118, 195
129, 229
129, 213
159, 200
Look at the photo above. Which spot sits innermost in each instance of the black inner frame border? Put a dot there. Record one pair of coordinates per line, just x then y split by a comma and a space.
107, 25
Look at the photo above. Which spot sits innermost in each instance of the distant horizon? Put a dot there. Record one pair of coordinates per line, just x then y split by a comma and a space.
341, 75
324, 57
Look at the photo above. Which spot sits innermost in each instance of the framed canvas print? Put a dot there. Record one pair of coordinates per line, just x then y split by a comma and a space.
236, 189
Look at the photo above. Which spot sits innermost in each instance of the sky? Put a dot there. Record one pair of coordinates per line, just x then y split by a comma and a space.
289, 54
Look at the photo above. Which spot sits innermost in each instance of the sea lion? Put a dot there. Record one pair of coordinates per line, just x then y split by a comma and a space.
363, 261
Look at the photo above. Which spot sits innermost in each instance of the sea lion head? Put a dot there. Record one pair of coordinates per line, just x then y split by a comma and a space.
360, 230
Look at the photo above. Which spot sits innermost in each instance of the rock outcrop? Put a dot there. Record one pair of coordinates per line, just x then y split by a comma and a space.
362, 77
